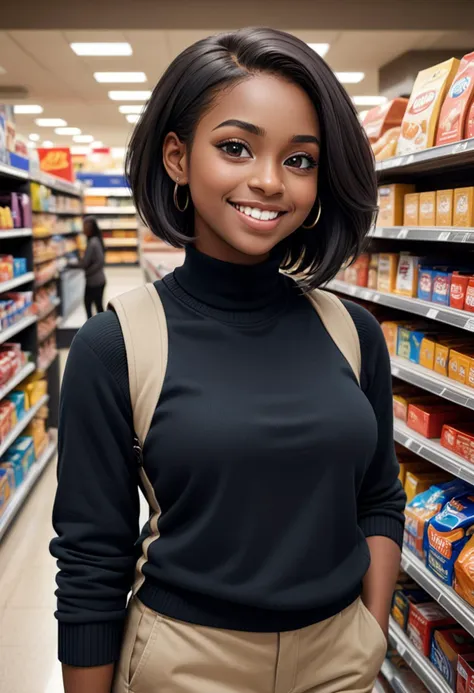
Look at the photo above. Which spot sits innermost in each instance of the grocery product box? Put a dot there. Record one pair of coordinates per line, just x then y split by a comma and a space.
446, 647
463, 207
458, 289
450, 433
441, 287
427, 215
390, 332
391, 203
387, 272
382, 118
465, 680
469, 131
425, 283
469, 301
464, 573
423, 620
421, 118
429, 419
417, 483
358, 272
455, 109
458, 367
411, 211
5, 490
402, 601
444, 207
448, 533
407, 275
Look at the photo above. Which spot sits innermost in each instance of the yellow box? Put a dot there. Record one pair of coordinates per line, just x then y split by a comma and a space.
387, 272
441, 359
391, 202
427, 353
458, 368
444, 207
427, 214
470, 374
417, 482
463, 214
390, 332
411, 216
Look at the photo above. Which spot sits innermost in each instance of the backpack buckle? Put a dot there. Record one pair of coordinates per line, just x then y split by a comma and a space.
137, 449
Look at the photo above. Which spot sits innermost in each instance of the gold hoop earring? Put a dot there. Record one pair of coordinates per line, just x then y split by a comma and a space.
311, 226
176, 201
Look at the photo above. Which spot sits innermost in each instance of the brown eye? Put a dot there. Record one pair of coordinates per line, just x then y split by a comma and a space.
301, 161
237, 150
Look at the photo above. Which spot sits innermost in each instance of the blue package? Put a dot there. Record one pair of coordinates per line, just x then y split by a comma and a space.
448, 533
441, 287
425, 283
15, 459
19, 266
416, 337
18, 399
25, 446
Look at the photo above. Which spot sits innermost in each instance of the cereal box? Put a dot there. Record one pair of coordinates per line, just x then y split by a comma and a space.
423, 620
465, 683
455, 108
446, 646
422, 115
444, 207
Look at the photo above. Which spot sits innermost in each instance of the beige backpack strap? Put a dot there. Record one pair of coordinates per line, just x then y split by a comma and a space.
145, 333
338, 322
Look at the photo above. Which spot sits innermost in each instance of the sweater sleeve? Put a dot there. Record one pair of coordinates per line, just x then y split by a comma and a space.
381, 499
96, 510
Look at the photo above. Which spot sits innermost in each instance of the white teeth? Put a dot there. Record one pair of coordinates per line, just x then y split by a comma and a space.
261, 214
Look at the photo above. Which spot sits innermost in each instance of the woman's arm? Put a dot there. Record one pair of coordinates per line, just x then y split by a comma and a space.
96, 509
380, 579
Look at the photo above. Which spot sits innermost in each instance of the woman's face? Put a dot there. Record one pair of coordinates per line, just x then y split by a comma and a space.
252, 170
87, 229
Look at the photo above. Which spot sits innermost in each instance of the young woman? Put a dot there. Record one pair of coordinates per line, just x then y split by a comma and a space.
93, 264
278, 544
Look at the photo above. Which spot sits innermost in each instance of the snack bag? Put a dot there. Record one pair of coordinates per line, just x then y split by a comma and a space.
423, 508
464, 573
455, 108
448, 533
421, 117
383, 118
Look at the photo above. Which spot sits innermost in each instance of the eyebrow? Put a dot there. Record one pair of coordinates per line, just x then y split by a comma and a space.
260, 132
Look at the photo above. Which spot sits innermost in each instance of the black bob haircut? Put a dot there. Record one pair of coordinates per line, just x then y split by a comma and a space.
347, 187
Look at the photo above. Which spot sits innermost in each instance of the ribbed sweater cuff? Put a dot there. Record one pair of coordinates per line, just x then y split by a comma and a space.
90, 645
383, 526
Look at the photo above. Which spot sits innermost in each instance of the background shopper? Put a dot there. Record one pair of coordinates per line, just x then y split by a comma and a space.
93, 264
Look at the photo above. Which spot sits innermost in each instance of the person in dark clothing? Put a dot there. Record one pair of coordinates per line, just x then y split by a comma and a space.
270, 556
93, 264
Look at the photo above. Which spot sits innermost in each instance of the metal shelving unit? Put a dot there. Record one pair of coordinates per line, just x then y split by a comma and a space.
450, 157
17, 379
115, 211
18, 281
22, 424
450, 234
15, 233
9, 332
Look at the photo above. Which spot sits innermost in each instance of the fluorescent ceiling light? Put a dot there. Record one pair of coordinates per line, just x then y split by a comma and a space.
129, 95
50, 122
118, 152
68, 131
34, 137
369, 100
117, 77
97, 144
80, 150
84, 139
131, 109
107, 48
48, 144
320, 48
133, 118
25, 108
350, 77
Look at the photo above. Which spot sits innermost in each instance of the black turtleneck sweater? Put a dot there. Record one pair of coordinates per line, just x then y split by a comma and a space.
270, 464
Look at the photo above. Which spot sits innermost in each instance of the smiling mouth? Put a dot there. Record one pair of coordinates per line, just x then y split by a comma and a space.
256, 213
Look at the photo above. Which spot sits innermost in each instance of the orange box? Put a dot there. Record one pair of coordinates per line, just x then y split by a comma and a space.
390, 332
429, 419
411, 212
444, 207
427, 215
442, 353
418, 482
387, 272
391, 203
463, 214
464, 445
427, 353
458, 368
450, 433
470, 374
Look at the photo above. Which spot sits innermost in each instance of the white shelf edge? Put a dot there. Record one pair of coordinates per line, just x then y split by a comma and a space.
56, 184
108, 192
18, 281
417, 661
121, 243
15, 233
432, 382
394, 677
21, 494
447, 234
21, 325
13, 172
116, 211
443, 594
17, 379
22, 424
441, 154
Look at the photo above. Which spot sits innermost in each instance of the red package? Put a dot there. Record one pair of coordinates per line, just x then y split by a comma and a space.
469, 132
423, 620
459, 284
454, 112
469, 302
462, 447
358, 272
449, 434
382, 118
429, 419
465, 681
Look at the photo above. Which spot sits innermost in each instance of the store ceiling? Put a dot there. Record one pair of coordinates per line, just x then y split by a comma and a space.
63, 83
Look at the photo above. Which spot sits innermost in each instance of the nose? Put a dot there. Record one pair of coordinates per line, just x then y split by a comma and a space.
267, 179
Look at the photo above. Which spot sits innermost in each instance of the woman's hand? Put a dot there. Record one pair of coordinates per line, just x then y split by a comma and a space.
380, 579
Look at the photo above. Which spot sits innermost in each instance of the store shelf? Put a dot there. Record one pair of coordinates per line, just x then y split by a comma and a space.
425, 233
108, 192
49, 334
45, 236
58, 213
108, 225
443, 594
16, 380
43, 282
432, 451
9, 332
55, 303
420, 664
22, 424
45, 367
450, 316
116, 211
394, 677
18, 281
15, 233
448, 157
121, 242
122, 264
432, 382
13, 172
21, 494
57, 184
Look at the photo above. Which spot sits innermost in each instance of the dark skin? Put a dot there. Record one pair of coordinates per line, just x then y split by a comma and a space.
266, 157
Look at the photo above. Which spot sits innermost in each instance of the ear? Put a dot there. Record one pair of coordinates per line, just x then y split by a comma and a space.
174, 158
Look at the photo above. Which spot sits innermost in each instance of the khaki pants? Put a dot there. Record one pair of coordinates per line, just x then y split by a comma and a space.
161, 655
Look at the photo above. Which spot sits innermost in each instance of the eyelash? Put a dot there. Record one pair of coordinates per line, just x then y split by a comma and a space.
311, 160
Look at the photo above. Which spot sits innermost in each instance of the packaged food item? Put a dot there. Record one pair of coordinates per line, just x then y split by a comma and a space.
390, 332
458, 289
412, 463
469, 302
401, 402
391, 203
469, 131
373, 271
464, 445
450, 433
421, 118
448, 533
446, 646
441, 287
417, 483
423, 620
423, 507
454, 112
5, 490
387, 272
464, 573
427, 352
427, 215
411, 212
458, 367
444, 207
407, 275
463, 209
403, 599
465, 681
383, 118
425, 283
470, 374
358, 272
388, 149
429, 419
